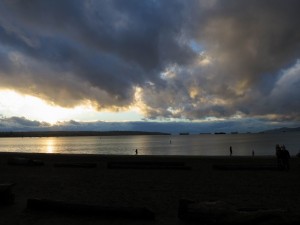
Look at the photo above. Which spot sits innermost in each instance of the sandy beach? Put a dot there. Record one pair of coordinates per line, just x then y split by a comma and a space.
158, 186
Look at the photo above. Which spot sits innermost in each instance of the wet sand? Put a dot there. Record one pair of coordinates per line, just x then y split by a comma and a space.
156, 187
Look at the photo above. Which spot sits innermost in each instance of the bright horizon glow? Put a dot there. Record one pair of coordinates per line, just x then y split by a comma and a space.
33, 108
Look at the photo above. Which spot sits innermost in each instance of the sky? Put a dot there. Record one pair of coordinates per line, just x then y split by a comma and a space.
152, 65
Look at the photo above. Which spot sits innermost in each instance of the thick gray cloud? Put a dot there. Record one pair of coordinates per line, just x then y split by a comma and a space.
250, 46
20, 124
187, 59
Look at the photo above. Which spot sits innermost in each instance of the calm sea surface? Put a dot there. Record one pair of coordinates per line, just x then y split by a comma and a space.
206, 144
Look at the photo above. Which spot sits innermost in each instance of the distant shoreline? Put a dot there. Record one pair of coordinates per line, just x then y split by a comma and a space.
76, 133
13, 134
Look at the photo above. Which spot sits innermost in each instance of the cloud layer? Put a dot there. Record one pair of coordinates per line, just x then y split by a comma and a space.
172, 59
231, 125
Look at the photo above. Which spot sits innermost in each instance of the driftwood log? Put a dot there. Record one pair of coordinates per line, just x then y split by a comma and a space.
250, 167
94, 210
148, 165
19, 161
76, 165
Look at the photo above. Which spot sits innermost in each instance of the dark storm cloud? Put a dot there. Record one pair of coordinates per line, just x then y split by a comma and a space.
188, 59
108, 46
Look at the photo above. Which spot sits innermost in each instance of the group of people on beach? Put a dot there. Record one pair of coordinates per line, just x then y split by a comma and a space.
283, 157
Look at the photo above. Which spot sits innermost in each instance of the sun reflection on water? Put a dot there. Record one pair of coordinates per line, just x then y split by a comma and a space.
50, 145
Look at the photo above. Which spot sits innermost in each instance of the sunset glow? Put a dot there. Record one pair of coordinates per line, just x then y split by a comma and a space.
15, 104
34, 108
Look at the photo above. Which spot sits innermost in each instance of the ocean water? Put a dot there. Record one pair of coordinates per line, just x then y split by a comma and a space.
204, 144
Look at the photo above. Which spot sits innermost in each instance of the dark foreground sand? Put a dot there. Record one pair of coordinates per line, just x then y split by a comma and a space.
157, 189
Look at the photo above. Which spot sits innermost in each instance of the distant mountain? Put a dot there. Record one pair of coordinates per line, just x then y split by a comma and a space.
282, 130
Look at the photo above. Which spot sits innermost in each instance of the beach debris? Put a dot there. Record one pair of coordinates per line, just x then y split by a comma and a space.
75, 165
122, 212
20, 161
6, 195
219, 212
148, 165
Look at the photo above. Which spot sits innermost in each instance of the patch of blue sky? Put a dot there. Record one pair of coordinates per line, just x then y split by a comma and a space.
196, 46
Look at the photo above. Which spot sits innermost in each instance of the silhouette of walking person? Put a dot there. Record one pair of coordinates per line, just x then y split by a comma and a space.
230, 150
136, 151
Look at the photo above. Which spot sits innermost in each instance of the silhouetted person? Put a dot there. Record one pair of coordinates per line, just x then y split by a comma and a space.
136, 151
279, 156
252, 153
285, 156
230, 150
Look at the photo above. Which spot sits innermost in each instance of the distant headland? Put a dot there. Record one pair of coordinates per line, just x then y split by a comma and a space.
282, 130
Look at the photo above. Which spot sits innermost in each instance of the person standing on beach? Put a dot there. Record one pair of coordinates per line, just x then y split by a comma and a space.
136, 151
279, 156
230, 150
285, 157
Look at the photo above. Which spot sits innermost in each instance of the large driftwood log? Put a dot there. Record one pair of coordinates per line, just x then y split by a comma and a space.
219, 212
